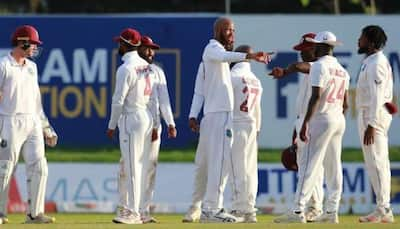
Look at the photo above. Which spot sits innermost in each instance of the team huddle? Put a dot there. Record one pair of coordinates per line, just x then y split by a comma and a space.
229, 95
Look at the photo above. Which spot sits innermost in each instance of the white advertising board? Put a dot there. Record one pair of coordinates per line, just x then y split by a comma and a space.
280, 33
93, 187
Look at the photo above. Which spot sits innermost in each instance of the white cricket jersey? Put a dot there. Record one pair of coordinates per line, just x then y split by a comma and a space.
329, 75
217, 88
304, 94
162, 96
133, 87
198, 97
374, 86
247, 92
19, 87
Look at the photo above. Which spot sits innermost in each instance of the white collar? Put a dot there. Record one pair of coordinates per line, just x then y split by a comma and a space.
216, 42
373, 55
14, 62
130, 55
328, 58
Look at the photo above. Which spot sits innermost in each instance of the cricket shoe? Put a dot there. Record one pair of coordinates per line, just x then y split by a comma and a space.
245, 217
126, 216
39, 219
147, 218
219, 216
193, 215
3, 219
328, 217
380, 215
291, 217
311, 214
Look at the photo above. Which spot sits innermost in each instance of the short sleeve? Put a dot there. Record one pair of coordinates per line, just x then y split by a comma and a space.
317, 75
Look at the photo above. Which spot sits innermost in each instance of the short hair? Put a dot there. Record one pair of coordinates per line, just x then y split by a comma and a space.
243, 48
375, 35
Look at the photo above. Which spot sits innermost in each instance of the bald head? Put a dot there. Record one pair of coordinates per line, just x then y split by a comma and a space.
220, 23
224, 32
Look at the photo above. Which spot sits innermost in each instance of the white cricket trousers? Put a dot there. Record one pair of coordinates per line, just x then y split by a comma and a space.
376, 156
200, 173
135, 138
244, 176
317, 196
322, 152
150, 161
218, 134
23, 134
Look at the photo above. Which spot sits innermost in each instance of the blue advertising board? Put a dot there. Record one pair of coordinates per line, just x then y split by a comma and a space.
79, 60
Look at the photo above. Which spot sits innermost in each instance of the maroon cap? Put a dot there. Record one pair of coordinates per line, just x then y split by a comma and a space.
129, 36
304, 44
26, 33
147, 41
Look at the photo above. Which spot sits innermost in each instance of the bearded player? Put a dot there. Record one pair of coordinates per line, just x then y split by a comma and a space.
374, 93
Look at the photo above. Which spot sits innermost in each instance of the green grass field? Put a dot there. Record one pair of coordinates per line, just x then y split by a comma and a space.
100, 221
112, 155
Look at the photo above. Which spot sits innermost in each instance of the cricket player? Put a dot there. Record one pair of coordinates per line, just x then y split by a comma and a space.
322, 131
374, 91
20, 116
160, 88
217, 121
130, 111
314, 208
247, 92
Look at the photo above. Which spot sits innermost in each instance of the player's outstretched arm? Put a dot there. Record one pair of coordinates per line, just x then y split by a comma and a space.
262, 57
279, 72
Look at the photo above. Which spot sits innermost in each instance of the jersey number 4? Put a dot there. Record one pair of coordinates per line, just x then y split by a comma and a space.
147, 88
254, 92
337, 93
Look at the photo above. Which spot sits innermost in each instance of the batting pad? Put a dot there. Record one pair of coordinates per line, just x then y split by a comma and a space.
36, 184
6, 169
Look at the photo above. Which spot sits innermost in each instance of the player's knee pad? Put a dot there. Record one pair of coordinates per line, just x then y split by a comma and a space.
6, 169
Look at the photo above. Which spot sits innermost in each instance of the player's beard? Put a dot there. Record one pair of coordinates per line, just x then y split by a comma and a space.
229, 47
121, 52
149, 60
226, 41
362, 50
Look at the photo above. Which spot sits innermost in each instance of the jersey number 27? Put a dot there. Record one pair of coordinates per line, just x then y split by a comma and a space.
254, 92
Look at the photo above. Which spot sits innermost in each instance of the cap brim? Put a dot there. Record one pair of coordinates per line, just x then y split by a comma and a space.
302, 46
36, 42
332, 43
153, 46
